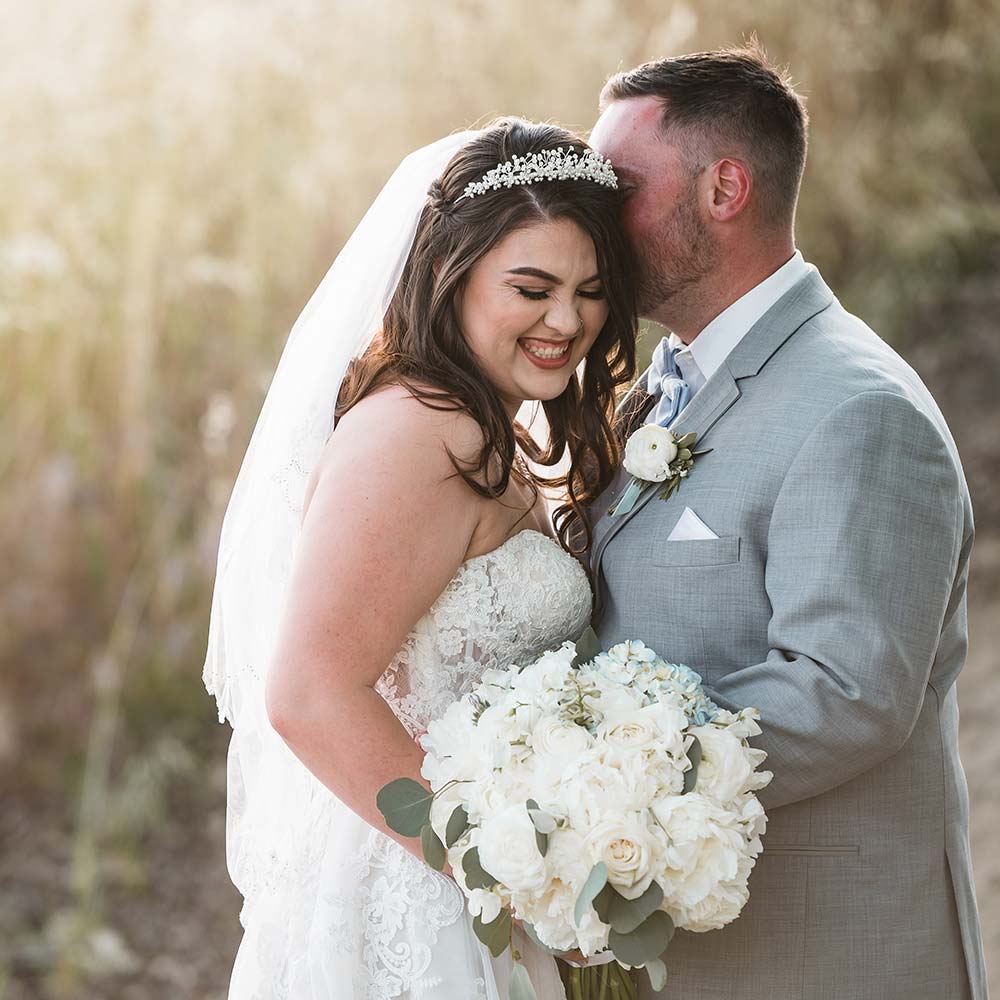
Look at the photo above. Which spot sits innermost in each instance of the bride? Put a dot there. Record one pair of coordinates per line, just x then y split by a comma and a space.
368, 576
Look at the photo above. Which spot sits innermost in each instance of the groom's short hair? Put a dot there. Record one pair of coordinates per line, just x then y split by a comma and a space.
725, 99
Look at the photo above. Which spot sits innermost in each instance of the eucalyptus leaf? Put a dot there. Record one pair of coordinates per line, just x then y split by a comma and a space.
544, 822
542, 842
476, 877
520, 984
648, 941
596, 881
405, 805
430, 844
691, 774
625, 915
537, 941
603, 900
657, 973
496, 936
587, 647
458, 823
688, 440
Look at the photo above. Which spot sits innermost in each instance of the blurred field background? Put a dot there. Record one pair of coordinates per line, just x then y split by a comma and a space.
175, 179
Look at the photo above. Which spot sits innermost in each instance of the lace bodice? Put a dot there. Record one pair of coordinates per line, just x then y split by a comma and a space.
502, 607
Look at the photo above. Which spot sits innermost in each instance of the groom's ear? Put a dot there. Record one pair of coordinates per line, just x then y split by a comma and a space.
731, 184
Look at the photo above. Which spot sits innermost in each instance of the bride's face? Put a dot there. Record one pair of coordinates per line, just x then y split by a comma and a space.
532, 309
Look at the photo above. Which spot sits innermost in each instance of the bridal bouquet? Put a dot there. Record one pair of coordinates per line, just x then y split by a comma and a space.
600, 798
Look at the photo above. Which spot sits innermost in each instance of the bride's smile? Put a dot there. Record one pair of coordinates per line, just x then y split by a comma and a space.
532, 309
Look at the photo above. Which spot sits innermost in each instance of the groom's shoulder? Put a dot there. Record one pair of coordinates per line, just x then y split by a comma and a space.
838, 356
840, 368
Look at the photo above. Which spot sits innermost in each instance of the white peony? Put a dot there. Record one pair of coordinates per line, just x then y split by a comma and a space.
509, 852
611, 700
726, 770
608, 782
649, 452
707, 846
720, 907
629, 850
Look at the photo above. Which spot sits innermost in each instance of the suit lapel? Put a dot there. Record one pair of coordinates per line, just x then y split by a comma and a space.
715, 397
803, 301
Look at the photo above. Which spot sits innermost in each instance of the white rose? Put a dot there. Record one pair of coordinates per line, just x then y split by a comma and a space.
628, 849
649, 452
707, 846
559, 737
630, 733
509, 852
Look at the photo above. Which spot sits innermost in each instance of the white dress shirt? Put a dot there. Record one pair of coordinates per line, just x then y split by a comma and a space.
702, 358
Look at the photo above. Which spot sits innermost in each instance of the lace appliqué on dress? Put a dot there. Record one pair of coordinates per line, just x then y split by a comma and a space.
505, 606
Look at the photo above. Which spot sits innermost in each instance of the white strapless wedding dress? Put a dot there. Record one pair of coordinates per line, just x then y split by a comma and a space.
346, 913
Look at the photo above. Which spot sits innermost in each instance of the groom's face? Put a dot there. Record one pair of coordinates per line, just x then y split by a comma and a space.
663, 215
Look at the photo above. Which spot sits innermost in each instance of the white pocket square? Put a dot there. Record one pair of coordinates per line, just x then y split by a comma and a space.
690, 527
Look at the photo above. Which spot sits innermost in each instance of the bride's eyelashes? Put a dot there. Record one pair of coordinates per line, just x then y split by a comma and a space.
535, 296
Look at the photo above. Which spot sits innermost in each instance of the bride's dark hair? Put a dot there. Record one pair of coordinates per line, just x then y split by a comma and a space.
421, 345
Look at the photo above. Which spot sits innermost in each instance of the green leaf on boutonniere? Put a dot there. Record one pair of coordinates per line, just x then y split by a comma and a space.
405, 806
688, 440
628, 498
691, 774
430, 844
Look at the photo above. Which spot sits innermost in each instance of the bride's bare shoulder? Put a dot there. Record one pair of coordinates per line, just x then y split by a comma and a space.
394, 426
395, 412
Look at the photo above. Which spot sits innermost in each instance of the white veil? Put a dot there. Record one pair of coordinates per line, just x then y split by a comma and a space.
268, 787
262, 520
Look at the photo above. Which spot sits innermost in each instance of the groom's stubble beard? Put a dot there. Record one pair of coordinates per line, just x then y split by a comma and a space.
680, 253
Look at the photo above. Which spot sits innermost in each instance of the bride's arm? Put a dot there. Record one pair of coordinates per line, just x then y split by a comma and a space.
387, 527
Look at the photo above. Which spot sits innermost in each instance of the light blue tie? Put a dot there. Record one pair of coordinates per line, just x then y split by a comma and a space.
665, 385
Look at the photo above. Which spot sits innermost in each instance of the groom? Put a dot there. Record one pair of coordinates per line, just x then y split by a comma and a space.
813, 564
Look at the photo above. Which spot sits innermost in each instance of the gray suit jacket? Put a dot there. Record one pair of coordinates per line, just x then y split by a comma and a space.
833, 601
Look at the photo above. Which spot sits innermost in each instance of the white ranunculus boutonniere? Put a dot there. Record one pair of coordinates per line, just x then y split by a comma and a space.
654, 454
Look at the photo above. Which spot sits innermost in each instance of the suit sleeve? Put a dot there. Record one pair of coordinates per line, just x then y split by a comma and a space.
863, 546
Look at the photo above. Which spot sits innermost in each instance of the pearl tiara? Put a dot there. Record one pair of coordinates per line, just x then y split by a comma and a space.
548, 165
